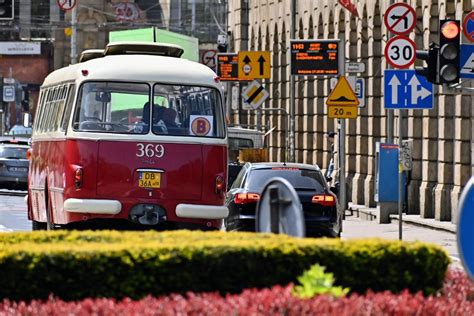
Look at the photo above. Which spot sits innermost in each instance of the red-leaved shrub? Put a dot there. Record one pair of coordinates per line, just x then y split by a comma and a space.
456, 298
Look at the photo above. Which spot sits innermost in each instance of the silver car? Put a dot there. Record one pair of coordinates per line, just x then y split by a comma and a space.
13, 163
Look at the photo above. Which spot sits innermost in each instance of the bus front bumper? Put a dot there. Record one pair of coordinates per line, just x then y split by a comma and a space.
202, 211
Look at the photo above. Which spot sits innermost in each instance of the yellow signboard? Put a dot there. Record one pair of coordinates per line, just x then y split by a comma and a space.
254, 65
343, 111
342, 95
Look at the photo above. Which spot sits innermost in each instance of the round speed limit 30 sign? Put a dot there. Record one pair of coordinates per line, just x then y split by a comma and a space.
400, 52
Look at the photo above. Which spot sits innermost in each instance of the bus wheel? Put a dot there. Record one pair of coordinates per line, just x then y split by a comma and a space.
38, 225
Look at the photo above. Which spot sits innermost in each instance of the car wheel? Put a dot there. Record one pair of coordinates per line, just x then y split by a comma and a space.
35, 225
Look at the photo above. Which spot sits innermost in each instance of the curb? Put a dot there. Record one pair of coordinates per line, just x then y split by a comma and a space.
371, 214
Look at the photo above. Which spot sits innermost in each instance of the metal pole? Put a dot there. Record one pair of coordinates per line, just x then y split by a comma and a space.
286, 127
292, 88
342, 135
390, 116
400, 174
74, 35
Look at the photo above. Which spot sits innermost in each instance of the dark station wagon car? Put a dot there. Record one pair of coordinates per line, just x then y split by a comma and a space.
322, 215
13, 163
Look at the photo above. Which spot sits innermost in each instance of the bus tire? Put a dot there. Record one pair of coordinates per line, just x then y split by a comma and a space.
35, 225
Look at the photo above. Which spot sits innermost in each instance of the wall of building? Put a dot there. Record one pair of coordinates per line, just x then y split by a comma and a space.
442, 136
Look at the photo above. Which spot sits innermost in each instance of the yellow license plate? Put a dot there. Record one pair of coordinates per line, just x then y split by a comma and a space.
149, 179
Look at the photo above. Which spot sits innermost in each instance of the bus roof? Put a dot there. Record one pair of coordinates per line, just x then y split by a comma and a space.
136, 68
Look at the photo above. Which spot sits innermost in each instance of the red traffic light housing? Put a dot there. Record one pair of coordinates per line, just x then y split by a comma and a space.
449, 51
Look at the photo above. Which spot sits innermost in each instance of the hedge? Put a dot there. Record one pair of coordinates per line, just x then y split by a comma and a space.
78, 264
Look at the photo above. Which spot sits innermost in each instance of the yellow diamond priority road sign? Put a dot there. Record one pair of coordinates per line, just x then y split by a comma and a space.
254, 95
254, 65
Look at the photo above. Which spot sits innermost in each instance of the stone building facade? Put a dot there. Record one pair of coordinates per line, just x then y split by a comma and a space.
442, 137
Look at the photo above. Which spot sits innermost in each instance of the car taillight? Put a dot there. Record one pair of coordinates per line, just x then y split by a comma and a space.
220, 184
324, 199
245, 198
78, 175
28, 154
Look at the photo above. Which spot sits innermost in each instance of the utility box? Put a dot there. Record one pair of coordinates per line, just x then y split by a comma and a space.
386, 181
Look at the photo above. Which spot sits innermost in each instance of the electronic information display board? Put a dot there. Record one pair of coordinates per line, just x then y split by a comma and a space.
315, 58
228, 66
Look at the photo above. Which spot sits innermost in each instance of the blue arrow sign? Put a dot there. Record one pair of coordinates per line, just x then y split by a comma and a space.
404, 89
467, 61
465, 233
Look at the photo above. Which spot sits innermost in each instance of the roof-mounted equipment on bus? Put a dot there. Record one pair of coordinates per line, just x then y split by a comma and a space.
143, 48
89, 54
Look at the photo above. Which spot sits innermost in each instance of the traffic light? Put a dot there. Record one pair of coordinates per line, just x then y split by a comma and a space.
6, 9
431, 58
449, 51
222, 48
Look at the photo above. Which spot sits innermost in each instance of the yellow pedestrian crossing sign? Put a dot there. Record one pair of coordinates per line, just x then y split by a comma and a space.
254, 65
342, 94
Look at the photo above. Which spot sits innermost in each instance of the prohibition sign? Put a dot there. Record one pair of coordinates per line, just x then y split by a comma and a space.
66, 4
468, 27
400, 52
400, 18
209, 58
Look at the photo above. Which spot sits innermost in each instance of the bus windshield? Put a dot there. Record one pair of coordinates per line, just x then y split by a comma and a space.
112, 107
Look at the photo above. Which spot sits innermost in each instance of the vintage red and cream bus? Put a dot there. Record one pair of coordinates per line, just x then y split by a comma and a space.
131, 132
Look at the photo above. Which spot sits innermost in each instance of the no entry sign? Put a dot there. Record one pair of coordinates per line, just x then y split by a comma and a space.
400, 52
400, 18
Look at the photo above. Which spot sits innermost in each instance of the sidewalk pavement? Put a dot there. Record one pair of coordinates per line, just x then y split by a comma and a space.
371, 213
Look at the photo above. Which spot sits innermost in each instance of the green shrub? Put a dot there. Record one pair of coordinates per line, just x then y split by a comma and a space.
315, 282
78, 264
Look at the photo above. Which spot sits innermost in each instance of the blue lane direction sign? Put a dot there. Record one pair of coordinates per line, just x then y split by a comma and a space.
464, 231
404, 89
467, 61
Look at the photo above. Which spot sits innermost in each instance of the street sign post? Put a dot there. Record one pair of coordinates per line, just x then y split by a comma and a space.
254, 65
467, 62
404, 89
342, 102
8, 93
400, 52
464, 231
315, 58
468, 26
254, 95
400, 18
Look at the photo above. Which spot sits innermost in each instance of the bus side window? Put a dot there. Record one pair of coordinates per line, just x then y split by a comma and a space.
39, 107
70, 92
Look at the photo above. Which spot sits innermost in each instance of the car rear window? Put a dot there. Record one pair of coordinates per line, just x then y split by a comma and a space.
12, 152
302, 179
